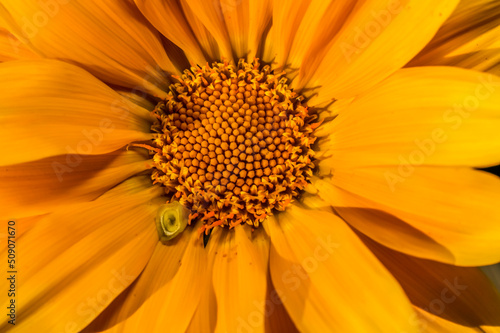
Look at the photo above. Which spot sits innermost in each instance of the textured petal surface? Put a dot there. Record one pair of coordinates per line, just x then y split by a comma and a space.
77, 260
423, 115
211, 15
240, 262
12, 49
108, 38
50, 108
311, 262
41, 186
431, 213
461, 295
469, 39
168, 17
379, 38
174, 279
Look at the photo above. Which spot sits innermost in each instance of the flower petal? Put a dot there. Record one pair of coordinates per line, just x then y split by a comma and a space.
468, 39
41, 186
435, 324
77, 260
320, 23
462, 295
167, 293
277, 318
287, 16
210, 13
379, 38
50, 108
12, 49
453, 207
168, 17
312, 256
239, 279
424, 115
107, 38
261, 14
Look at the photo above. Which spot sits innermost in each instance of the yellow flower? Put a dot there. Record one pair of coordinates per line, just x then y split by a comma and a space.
157, 177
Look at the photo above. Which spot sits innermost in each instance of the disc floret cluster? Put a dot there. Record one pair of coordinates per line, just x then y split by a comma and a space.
232, 143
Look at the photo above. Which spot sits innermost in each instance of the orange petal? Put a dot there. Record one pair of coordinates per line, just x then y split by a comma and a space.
76, 261
109, 39
469, 39
41, 186
276, 316
168, 17
260, 17
431, 213
378, 38
240, 262
434, 324
287, 16
167, 293
50, 108
424, 115
327, 278
461, 295
319, 25
12, 49
203, 35
210, 14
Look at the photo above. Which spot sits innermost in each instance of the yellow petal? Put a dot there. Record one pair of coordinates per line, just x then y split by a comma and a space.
203, 35
422, 115
168, 17
469, 39
76, 261
50, 108
430, 323
287, 16
12, 49
167, 293
107, 38
240, 263
379, 38
454, 208
41, 186
205, 317
320, 23
236, 17
461, 295
333, 283
277, 318
210, 13
260, 17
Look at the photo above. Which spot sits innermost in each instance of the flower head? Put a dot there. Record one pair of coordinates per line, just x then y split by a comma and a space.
250, 166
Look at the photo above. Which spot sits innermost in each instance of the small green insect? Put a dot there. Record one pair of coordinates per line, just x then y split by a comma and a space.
171, 220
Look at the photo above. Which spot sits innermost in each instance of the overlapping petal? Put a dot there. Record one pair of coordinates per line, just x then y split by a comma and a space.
377, 39
420, 116
311, 267
166, 295
461, 295
99, 247
240, 263
39, 187
108, 38
469, 39
50, 108
444, 214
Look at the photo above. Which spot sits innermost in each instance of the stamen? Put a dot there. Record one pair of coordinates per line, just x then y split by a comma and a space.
232, 144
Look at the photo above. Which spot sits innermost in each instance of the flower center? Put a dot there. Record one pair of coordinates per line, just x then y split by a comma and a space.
233, 143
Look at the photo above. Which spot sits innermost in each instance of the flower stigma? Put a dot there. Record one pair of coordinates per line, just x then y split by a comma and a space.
232, 144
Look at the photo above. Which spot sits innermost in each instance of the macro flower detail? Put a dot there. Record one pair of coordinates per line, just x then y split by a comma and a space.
234, 144
250, 166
